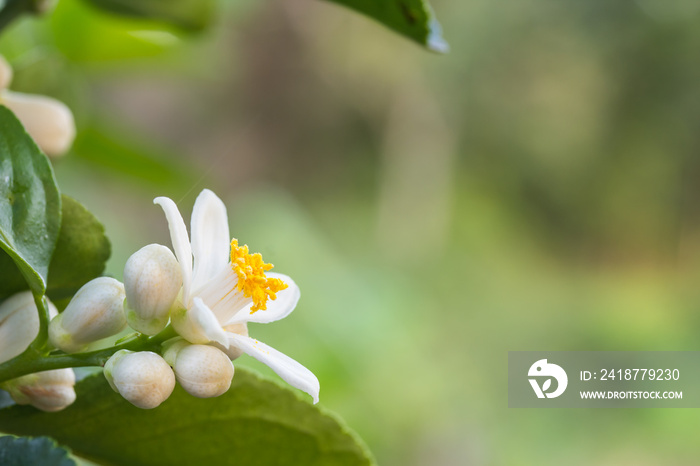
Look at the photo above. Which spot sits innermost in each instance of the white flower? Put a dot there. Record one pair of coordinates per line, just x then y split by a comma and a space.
152, 280
225, 286
144, 379
48, 391
48, 121
19, 324
95, 312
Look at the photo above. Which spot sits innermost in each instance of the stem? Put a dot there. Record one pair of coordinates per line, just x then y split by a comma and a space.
32, 360
42, 337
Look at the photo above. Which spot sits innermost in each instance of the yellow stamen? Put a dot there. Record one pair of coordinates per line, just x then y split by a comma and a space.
252, 281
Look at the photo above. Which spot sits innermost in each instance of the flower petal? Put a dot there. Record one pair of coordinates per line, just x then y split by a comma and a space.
181, 243
210, 238
276, 309
198, 324
291, 371
203, 317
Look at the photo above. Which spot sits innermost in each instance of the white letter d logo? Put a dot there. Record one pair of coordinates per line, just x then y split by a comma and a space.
542, 369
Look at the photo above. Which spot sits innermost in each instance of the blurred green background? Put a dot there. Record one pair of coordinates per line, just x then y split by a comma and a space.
535, 189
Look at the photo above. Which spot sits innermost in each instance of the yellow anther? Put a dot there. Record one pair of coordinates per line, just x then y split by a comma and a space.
252, 281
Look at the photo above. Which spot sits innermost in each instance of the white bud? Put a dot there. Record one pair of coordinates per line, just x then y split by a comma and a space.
171, 347
48, 121
152, 280
203, 371
5, 73
95, 312
48, 391
19, 324
144, 379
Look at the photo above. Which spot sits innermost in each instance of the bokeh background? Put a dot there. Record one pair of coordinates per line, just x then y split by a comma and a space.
535, 189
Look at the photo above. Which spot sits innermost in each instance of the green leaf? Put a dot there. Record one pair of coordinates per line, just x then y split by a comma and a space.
22, 451
186, 14
256, 422
412, 18
81, 252
120, 37
30, 206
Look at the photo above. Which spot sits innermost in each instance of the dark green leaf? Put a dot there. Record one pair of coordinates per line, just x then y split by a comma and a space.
187, 14
22, 451
11, 279
81, 252
256, 422
30, 205
412, 18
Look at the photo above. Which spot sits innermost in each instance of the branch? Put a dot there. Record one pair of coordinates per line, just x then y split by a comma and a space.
32, 361
42, 337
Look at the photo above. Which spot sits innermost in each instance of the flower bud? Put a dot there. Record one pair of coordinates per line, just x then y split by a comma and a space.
171, 347
19, 324
95, 312
48, 121
48, 391
152, 280
144, 379
203, 371
5, 73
